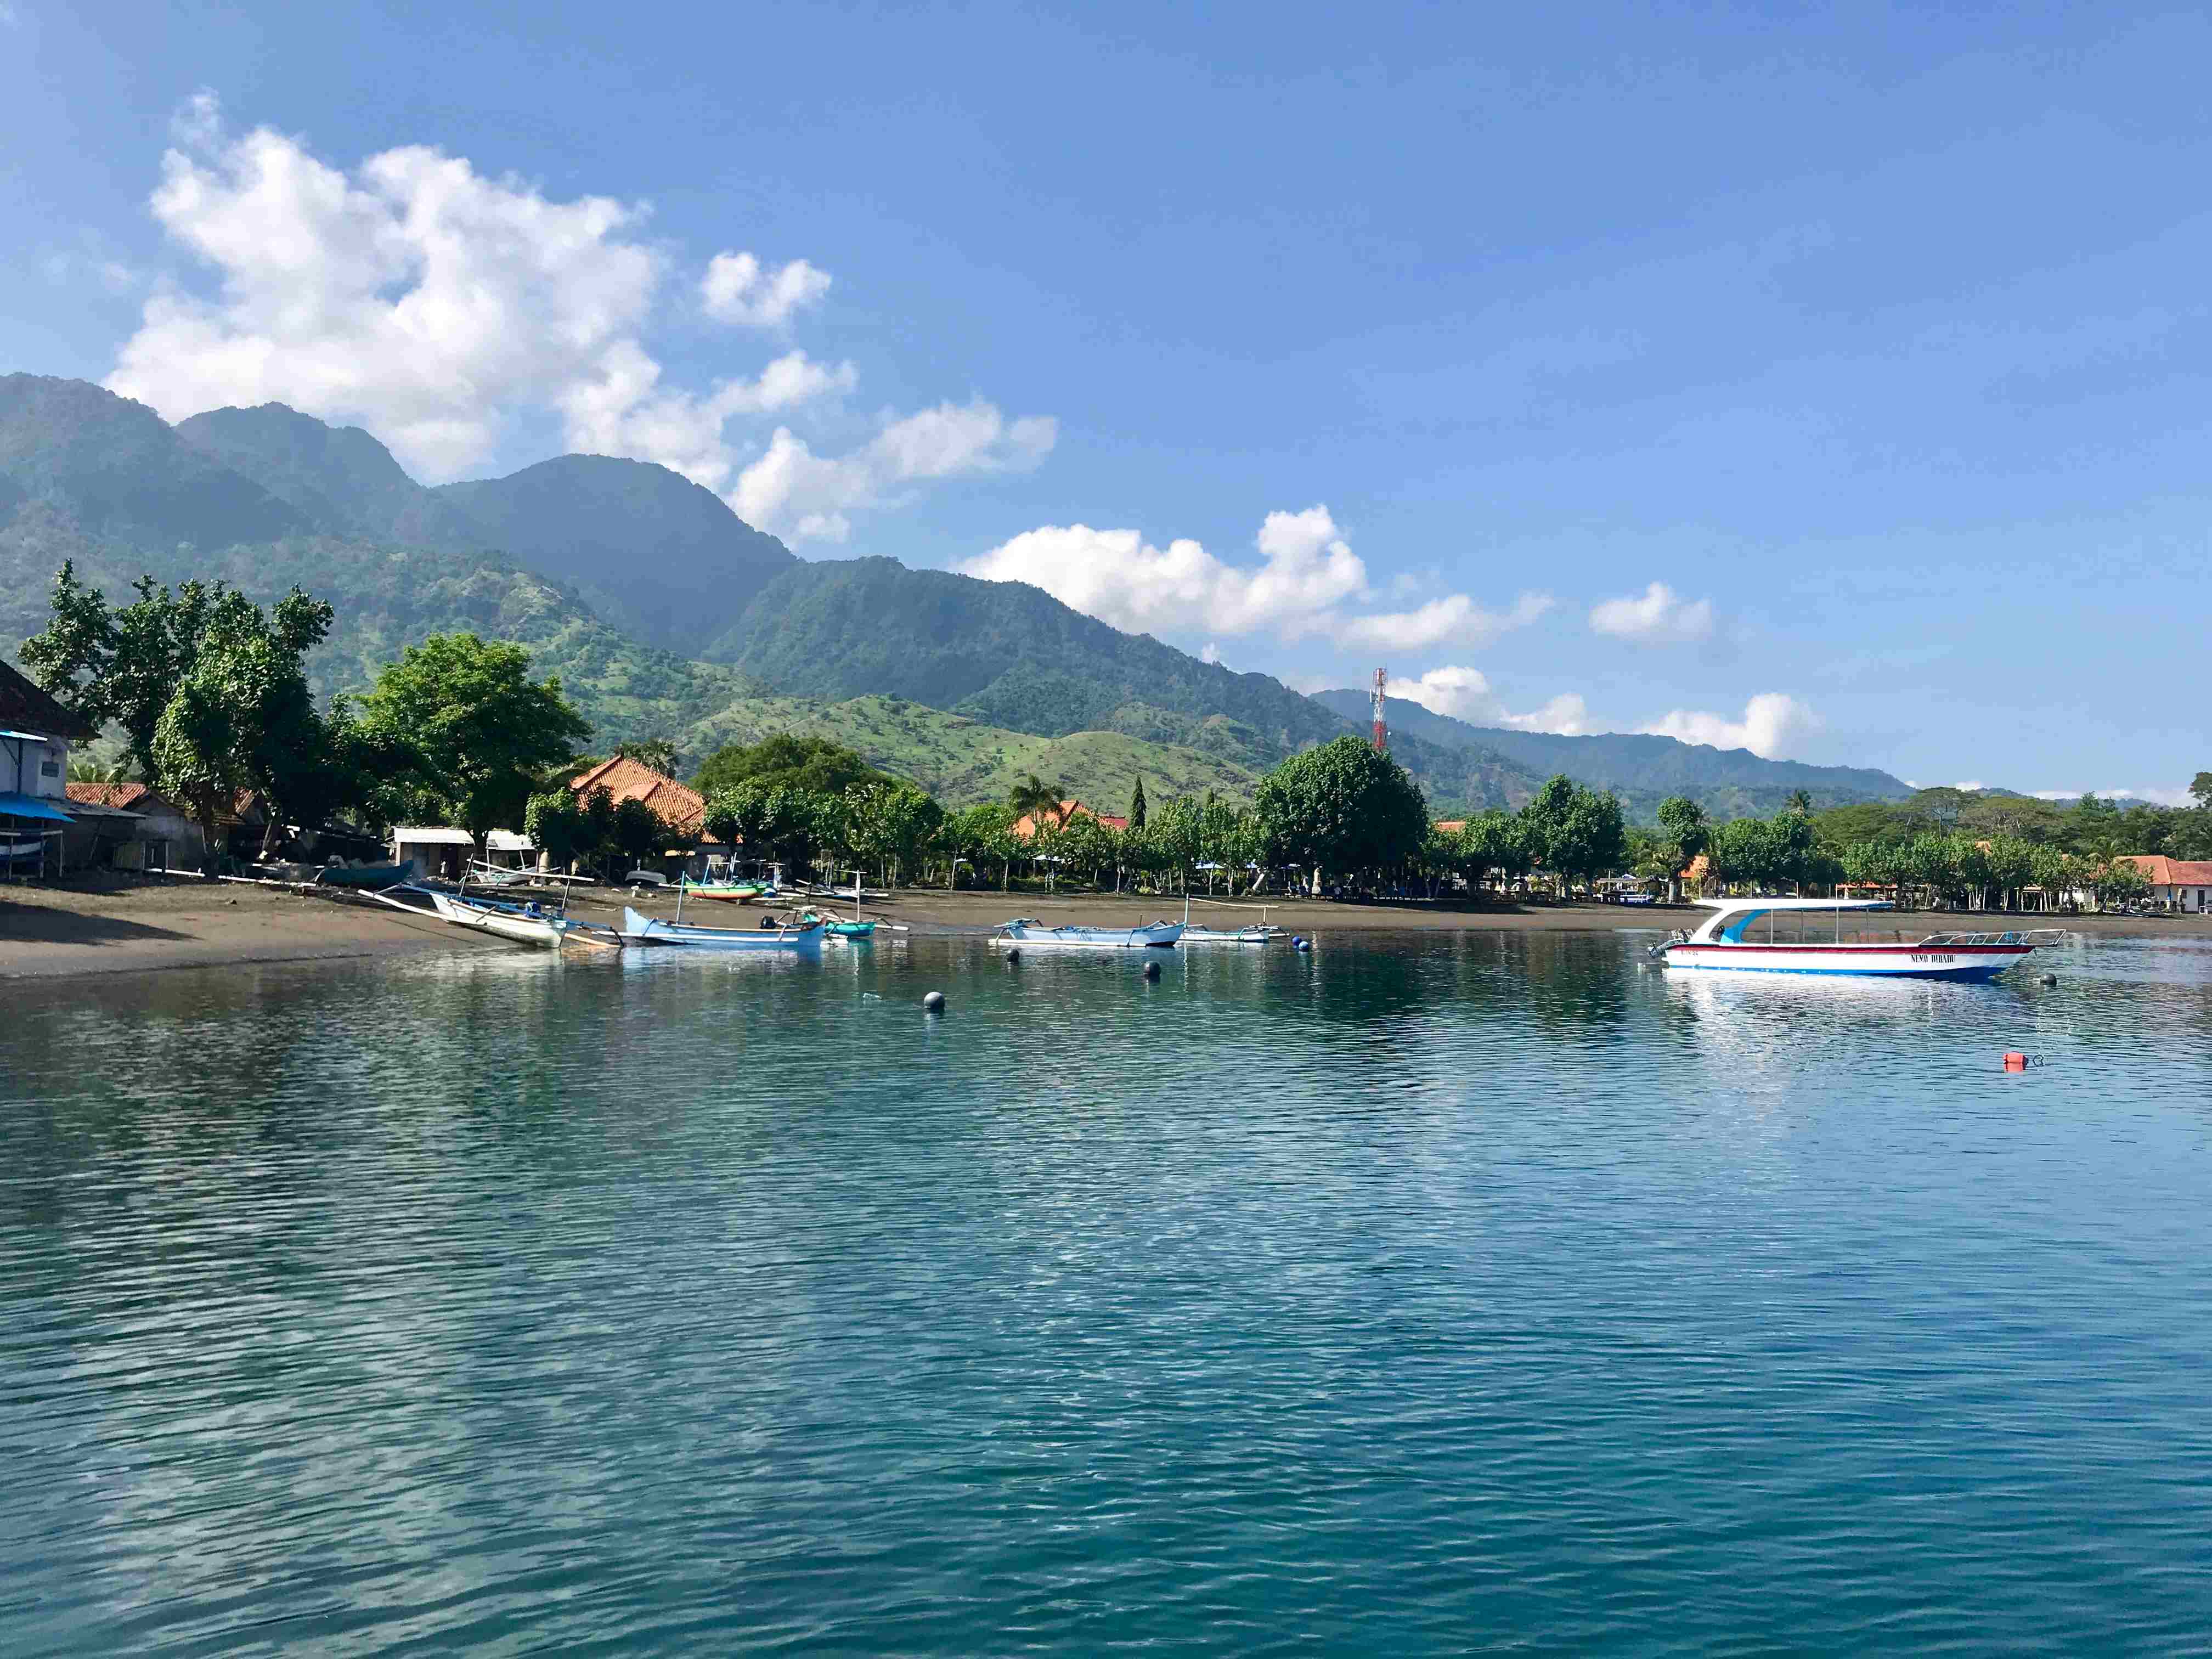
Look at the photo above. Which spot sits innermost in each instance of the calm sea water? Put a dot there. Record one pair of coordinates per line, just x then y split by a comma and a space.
1421, 1294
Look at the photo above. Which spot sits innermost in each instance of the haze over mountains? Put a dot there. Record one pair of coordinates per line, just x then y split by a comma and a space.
664, 613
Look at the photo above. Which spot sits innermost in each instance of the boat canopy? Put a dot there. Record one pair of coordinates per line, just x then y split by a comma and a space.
1731, 917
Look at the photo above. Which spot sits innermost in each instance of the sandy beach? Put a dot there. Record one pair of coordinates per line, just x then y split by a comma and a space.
122, 925
127, 925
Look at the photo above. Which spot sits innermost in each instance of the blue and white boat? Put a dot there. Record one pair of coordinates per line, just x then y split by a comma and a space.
639, 929
1811, 936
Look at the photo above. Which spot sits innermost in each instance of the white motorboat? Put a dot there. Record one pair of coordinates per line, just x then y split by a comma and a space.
1027, 933
1810, 936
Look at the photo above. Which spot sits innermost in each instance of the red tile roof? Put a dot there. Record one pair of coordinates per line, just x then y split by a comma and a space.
676, 804
24, 707
125, 796
1025, 827
2163, 871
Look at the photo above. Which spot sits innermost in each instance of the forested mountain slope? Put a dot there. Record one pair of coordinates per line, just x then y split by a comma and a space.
89, 476
651, 551
1008, 654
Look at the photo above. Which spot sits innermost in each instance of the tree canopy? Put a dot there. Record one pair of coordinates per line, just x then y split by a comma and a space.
211, 694
785, 761
487, 733
1342, 806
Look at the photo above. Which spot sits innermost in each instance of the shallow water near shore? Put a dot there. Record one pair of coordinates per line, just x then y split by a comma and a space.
1418, 1294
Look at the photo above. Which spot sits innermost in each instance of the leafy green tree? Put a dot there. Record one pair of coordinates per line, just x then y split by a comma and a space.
981, 834
485, 730
212, 693
1596, 840
890, 824
1137, 804
2200, 791
1743, 850
638, 832
1685, 834
815, 764
1492, 841
1341, 807
556, 824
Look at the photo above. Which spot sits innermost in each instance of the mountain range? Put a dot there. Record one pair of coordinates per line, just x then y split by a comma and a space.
665, 613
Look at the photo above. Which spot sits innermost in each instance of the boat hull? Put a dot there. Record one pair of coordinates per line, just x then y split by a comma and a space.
1217, 936
646, 930
1025, 937
1968, 963
524, 930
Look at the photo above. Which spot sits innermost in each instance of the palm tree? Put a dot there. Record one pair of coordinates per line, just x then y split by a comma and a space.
1799, 802
1033, 798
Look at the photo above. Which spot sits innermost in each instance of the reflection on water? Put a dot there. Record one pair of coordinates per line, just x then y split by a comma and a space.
1410, 1296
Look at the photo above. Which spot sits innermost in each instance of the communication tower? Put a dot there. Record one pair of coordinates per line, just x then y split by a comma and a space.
1381, 737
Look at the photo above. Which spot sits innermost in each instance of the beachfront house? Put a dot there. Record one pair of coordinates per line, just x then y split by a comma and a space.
680, 807
136, 827
35, 735
2179, 884
1026, 826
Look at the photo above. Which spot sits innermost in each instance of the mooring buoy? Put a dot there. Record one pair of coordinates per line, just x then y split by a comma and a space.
934, 1002
1151, 971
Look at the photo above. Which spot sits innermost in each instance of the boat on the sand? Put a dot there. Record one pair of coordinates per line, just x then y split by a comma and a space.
1810, 936
526, 924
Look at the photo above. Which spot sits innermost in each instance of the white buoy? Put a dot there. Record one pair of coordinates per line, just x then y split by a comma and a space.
934, 1002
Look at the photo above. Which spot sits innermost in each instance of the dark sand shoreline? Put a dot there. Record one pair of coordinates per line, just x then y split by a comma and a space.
138, 925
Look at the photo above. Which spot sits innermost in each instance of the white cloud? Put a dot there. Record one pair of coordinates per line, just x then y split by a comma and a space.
737, 289
1772, 726
2155, 795
1465, 693
1307, 575
1455, 617
791, 489
1567, 715
1211, 653
438, 307
1658, 614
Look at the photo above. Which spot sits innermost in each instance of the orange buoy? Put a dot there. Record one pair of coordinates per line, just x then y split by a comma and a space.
2015, 1062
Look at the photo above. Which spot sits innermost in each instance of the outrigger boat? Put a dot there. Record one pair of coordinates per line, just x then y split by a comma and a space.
637, 929
1027, 933
733, 892
1807, 936
1265, 933
525, 923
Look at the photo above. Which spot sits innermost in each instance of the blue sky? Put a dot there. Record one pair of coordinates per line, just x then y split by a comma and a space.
1426, 336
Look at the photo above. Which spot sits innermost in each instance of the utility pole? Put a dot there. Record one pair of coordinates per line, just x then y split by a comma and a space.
1381, 737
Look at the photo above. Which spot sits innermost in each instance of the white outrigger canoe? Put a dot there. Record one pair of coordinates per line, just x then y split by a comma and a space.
1265, 933
1027, 933
512, 922
1808, 936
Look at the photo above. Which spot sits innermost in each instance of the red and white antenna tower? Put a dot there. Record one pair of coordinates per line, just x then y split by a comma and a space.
1381, 737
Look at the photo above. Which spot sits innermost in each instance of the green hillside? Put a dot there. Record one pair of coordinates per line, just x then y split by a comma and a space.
654, 553
962, 761
89, 476
1008, 654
